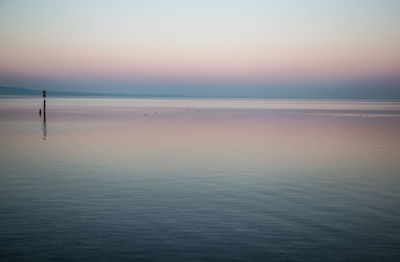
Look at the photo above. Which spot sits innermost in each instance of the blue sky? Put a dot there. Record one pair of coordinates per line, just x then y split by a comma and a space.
246, 48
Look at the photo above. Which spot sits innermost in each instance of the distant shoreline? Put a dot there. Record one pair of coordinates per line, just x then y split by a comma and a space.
19, 92
5, 97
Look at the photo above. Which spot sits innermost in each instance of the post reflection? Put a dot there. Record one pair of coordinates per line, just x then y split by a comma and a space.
44, 128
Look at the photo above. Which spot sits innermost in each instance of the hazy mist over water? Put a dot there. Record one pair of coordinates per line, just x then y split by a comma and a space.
198, 179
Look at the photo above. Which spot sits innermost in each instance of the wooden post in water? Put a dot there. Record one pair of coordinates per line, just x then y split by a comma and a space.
44, 105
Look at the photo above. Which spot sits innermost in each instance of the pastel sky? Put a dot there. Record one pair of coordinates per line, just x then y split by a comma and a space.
172, 45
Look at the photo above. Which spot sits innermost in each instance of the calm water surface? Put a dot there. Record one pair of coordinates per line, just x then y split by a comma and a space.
199, 180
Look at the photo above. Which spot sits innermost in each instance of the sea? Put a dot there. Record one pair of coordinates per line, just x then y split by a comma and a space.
126, 179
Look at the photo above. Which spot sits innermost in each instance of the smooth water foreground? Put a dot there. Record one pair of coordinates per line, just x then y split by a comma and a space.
197, 180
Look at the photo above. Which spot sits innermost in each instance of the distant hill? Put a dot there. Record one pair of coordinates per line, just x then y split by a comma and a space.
17, 91
357, 91
20, 91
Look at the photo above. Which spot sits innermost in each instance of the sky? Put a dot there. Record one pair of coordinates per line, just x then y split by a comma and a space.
203, 48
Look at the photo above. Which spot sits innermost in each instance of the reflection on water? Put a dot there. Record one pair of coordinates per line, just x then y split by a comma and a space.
44, 125
147, 179
44, 128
